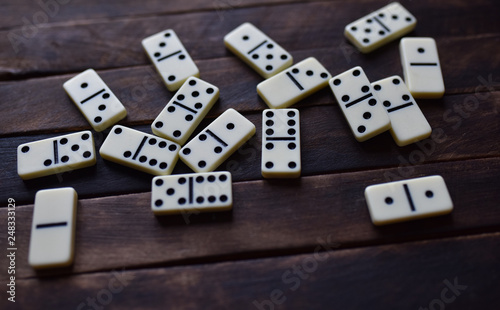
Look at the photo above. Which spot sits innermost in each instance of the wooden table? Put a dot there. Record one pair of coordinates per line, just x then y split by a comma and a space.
306, 243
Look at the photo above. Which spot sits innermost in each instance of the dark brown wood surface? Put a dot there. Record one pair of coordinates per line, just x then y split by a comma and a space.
287, 244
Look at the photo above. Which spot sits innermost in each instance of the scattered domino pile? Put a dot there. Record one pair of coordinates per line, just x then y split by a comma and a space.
369, 109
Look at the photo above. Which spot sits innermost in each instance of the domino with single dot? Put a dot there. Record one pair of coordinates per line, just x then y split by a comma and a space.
52, 240
363, 111
199, 192
139, 150
421, 67
171, 59
184, 112
55, 155
380, 27
280, 143
408, 200
293, 84
95, 100
214, 144
408, 123
258, 50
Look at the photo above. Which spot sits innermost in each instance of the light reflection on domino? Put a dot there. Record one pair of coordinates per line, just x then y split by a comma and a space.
380, 27
408, 200
421, 67
293, 84
184, 112
170, 58
408, 123
280, 143
210, 191
95, 100
53, 228
214, 144
139, 150
55, 155
258, 50
361, 107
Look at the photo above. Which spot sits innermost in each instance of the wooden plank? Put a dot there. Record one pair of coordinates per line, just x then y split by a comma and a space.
121, 231
327, 146
18, 13
49, 109
57, 49
460, 273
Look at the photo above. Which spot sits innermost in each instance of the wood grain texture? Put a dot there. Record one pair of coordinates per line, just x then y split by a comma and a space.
122, 231
57, 49
14, 12
229, 260
328, 146
140, 89
398, 276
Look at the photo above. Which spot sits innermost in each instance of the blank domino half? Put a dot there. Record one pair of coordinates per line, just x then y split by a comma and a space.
171, 59
407, 200
380, 27
53, 228
363, 111
421, 67
408, 123
280, 143
293, 84
201, 192
258, 50
217, 141
184, 112
55, 155
139, 150
95, 100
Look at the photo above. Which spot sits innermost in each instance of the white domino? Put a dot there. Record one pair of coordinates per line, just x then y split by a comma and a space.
362, 109
139, 150
380, 27
280, 143
55, 155
53, 228
408, 123
408, 200
293, 84
195, 192
95, 100
258, 50
217, 141
170, 58
421, 68
184, 112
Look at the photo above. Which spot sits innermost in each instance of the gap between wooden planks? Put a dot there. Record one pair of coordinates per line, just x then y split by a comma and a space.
118, 231
62, 49
402, 276
327, 147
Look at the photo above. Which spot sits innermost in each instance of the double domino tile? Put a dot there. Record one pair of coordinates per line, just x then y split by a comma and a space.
380, 27
407, 200
139, 150
421, 68
293, 84
364, 113
408, 123
185, 110
95, 100
55, 155
191, 192
53, 228
280, 143
217, 141
170, 58
258, 50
